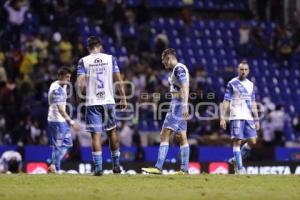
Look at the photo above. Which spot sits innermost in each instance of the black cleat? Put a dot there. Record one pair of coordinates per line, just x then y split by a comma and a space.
98, 173
117, 170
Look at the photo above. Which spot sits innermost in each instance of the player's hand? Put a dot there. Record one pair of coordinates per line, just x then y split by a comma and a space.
185, 112
123, 104
80, 100
257, 125
223, 124
75, 127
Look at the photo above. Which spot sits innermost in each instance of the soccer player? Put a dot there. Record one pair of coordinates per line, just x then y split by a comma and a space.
59, 121
95, 76
239, 99
11, 162
176, 118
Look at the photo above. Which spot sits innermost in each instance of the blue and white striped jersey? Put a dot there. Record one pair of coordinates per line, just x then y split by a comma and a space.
179, 75
241, 94
57, 95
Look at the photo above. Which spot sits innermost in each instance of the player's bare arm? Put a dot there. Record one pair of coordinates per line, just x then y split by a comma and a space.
224, 112
120, 85
185, 96
255, 115
65, 115
80, 87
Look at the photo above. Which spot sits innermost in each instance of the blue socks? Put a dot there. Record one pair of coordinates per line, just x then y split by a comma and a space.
97, 159
58, 154
185, 156
238, 157
245, 150
184, 153
162, 154
115, 155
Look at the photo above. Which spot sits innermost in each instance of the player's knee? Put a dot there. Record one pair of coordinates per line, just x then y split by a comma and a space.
236, 142
252, 143
178, 137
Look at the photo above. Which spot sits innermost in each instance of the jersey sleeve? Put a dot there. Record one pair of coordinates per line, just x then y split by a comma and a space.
253, 94
180, 74
80, 68
57, 96
115, 65
228, 92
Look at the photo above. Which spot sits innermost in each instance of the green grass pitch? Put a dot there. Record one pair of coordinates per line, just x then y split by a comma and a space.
135, 187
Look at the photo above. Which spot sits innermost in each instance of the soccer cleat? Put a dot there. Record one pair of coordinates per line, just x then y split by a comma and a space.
117, 170
152, 170
232, 162
181, 173
241, 171
98, 173
51, 169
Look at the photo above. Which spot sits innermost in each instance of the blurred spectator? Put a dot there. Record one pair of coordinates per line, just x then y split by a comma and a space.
143, 40
268, 131
30, 59
244, 33
126, 134
118, 19
277, 119
35, 133
129, 32
284, 44
257, 37
41, 44
16, 12
65, 51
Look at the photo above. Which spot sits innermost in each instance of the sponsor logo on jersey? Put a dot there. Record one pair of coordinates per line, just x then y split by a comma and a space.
101, 95
97, 60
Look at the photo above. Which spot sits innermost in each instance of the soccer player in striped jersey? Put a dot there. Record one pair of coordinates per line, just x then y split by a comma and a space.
96, 74
239, 100
176, 118
59, 121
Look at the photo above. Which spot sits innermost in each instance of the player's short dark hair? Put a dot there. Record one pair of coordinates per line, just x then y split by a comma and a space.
243, 62
64, 71
13, 166
93, 41
168, 51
